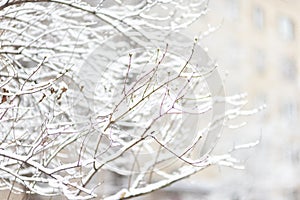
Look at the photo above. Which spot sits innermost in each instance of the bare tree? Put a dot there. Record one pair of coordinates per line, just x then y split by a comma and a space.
91, 88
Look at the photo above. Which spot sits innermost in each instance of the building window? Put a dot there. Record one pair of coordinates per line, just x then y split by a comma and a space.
259, 60
289, 112
295, 194
295, 157
258, 17
289, 69
261, 99
286, 28
233, 9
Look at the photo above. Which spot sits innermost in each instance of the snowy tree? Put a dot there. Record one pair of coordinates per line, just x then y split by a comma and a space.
91, 89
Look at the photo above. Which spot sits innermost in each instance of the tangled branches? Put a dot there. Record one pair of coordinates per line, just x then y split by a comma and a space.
94, 90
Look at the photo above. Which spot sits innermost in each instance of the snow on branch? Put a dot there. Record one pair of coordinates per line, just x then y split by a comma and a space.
92, 91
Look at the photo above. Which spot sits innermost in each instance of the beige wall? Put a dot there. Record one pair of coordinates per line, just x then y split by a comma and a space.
240, 46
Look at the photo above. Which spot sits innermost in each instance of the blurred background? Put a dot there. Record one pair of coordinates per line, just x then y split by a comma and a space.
257, 46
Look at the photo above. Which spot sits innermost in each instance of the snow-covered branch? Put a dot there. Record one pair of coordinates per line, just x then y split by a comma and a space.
90, 88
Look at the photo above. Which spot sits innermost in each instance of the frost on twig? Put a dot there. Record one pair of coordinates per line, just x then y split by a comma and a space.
90, 89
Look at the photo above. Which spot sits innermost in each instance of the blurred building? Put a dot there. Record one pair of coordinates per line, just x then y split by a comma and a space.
258, 44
